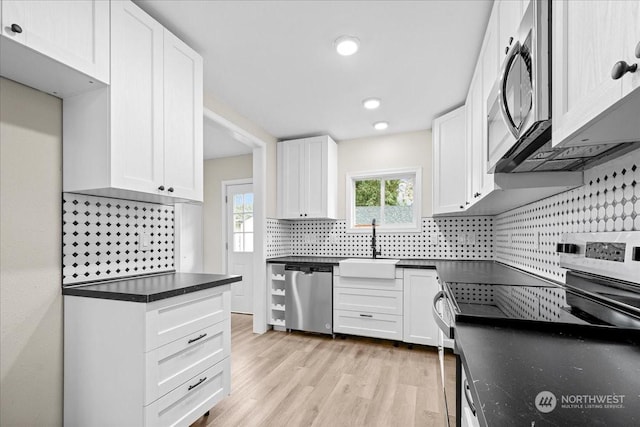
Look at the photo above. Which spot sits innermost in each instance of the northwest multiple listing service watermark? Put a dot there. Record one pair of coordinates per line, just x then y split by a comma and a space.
546, 401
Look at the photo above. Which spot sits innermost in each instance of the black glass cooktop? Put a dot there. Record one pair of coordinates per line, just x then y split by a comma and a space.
551, 303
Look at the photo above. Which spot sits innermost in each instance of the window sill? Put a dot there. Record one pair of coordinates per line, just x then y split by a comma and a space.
383, 230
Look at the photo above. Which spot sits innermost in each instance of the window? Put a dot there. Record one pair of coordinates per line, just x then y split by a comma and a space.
243, 222
390, 197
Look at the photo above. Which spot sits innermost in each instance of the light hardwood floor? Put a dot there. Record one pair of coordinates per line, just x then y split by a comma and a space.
298, 379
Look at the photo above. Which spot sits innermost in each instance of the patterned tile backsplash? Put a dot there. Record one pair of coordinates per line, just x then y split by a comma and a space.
100, 238
609, 201
525, 237
447, 238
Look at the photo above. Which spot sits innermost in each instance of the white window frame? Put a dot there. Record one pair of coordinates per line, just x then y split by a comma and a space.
384, 174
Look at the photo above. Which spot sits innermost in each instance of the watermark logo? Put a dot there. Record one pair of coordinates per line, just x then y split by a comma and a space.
546, 402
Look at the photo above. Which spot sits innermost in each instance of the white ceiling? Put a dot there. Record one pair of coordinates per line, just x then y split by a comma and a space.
274, 62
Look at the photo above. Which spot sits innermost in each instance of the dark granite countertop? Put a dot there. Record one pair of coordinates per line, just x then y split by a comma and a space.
509, 367
302, 260
151, 288
486, 272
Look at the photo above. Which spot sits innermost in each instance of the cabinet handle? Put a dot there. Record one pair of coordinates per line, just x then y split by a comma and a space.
620, 68
191, 387
161, 188
196, 339
638, 50
305, 214
510, 40
366, 315
300, 214
170, 189
16, 28
506, 50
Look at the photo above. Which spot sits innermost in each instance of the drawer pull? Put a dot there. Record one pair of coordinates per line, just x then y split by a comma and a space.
191, 387
366, 315
196, 339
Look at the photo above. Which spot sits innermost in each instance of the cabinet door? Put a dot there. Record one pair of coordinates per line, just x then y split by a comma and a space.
73, 32
290, 167
480, 182
509, 16
449, 161
183, 119
490, 56
420, 287
314, 191
631, 16
587, 41
136, 99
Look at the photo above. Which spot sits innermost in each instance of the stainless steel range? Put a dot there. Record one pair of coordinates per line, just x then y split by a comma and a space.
602, 288
601, 293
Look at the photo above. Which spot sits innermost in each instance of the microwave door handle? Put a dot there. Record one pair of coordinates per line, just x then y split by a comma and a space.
502, 96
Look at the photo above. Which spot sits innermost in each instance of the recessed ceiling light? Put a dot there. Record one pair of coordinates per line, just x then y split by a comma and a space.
381, 125
347, 45
371, 103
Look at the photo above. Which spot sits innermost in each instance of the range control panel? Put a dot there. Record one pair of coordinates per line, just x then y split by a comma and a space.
607, 251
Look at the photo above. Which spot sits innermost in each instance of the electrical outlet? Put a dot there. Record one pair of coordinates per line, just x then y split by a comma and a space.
471, 238
144, 241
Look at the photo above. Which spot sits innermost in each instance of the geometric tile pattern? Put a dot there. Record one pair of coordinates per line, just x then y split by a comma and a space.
439, 238
278, 238
101, 238
526, 237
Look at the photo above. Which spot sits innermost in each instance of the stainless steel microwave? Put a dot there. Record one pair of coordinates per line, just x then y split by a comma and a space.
518, 106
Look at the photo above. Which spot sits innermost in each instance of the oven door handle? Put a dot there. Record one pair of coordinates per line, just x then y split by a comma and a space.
467, 395
442, 324
502, 95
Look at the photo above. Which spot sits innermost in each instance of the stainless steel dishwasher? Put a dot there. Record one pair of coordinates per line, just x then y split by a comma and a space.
309, 298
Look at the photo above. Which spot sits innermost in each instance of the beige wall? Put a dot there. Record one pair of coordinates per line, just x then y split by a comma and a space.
233, 116
30, 257
216, 171
386, 152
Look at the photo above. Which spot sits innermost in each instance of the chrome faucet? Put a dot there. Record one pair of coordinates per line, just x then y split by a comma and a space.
373, 240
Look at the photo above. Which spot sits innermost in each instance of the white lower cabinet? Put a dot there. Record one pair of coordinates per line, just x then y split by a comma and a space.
368, 307
162, 363
420, 288
368, 324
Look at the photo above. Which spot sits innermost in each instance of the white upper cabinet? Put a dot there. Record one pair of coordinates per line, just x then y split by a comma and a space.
589, 106
183, 119
449, 162
509, 17
136, 124
140, 138
307, 178
60, 47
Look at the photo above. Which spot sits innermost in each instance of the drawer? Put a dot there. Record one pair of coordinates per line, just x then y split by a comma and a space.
192, 399
172, 364
368, 300
373, 325
362, 283
181, 316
